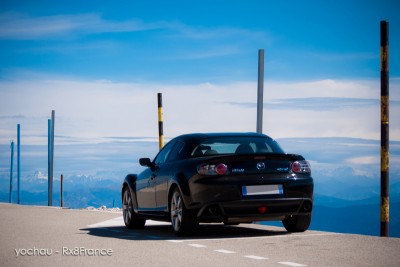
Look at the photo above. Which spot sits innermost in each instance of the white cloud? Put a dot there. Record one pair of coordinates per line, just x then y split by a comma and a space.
368, 160
332, 57
94, 110
199, 33
224, 50
23, 27
20, 26
364, 89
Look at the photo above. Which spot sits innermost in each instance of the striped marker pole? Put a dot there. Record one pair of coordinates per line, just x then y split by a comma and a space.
160, 122
384, 129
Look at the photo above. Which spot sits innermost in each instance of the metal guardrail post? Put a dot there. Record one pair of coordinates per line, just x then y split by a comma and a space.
260, 90
61, 191
49, 184
51, 173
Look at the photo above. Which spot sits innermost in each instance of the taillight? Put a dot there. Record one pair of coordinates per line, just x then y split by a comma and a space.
212, 169
301, 166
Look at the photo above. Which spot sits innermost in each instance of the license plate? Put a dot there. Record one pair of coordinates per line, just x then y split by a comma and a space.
254, 190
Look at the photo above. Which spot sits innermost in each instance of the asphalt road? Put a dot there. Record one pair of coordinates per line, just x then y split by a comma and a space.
43, 236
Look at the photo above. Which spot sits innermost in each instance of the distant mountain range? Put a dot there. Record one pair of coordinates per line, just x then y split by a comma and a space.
360, 216
345, 170
79, 191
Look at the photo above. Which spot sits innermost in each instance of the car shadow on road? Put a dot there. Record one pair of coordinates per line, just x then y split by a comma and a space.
205, 231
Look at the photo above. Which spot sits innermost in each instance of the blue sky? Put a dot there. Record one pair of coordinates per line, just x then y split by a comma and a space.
100, 64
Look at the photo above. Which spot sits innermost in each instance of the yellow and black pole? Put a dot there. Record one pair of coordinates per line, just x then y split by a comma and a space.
384, 129
160, 121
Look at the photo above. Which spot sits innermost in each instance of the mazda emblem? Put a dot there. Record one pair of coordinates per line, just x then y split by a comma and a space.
260, 166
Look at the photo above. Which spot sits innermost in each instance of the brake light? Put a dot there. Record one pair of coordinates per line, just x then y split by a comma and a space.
212, 169
221, 169
301, 166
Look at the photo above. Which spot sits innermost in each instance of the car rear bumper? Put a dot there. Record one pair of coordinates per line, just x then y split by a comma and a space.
223, 198
249, 210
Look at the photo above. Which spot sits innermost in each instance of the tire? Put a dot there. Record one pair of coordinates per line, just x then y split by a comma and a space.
297, 223
131, 218
183, 222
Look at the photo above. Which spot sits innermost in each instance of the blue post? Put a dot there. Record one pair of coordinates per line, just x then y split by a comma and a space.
52, 157
11, 169
19, 163
49, 162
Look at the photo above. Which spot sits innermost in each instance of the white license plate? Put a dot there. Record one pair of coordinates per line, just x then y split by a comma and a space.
254, 190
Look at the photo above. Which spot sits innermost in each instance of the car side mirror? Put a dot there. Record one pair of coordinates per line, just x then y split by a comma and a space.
145, 162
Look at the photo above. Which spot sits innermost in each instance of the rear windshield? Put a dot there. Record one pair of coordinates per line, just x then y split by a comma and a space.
236, 145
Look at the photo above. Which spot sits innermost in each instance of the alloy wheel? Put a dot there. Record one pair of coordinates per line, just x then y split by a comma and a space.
127, 207
176, 211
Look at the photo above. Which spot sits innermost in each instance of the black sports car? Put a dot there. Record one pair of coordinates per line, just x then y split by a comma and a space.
220, 177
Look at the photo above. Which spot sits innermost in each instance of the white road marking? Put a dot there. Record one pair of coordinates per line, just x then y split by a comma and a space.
197, 245
224, 251
175, 241
119, 221
156, 223
288, 263
255, 257
109, 223
263, 237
